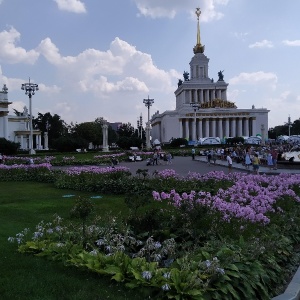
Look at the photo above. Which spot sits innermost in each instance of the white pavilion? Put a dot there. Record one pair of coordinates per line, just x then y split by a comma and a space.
15, 128
202, 108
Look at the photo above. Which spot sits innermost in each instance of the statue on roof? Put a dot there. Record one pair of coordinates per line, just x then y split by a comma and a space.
221, 76
25, 111
179, 82
186, 76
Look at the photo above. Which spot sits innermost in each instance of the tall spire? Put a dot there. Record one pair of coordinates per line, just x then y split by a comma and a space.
198, 48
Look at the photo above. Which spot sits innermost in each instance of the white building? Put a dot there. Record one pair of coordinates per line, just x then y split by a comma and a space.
16, 128
202, 109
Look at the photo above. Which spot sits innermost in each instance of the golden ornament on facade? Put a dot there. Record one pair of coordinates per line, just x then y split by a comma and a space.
218, 103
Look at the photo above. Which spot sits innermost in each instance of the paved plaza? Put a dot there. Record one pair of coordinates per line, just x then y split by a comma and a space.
184, 165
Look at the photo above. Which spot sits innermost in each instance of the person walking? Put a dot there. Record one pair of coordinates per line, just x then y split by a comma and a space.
209, 157
169, 158
214, 156
229, 162
247, 160
270, 161
193, 153
256, 163
155, 158
274, 154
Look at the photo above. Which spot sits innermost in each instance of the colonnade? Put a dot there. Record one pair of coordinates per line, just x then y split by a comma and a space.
196, 128
201, 96
23, 139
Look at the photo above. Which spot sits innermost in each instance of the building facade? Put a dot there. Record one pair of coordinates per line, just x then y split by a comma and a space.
202, 109
16, 128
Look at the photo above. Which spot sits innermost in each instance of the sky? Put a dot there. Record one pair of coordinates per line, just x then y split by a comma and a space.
101, 58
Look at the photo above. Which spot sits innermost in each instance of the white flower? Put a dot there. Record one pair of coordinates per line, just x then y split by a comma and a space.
221, 271
11, 239
147, 275
207, 263
167, 275
94, 252
157, 245
166, 287
100, 242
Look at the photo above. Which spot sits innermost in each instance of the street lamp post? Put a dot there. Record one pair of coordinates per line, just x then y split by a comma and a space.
195, 106
148, 102
30, 89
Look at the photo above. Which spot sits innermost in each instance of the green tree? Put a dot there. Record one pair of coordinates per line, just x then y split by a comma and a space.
54, 125
8, 147
126, 130
89, 131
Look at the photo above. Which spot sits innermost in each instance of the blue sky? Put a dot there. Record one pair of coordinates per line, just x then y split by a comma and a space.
96, 58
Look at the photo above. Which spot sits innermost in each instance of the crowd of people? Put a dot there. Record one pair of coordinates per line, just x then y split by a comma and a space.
160, 157
249, 156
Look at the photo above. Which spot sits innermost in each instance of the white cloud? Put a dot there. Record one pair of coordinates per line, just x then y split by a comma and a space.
295, 43
75, 6
262, 44
259, 77
121, 68
170, 8
9, 53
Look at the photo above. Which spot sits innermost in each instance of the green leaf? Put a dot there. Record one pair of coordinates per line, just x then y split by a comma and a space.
118, 277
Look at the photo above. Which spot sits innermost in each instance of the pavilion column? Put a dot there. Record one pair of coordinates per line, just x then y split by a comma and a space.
227, 127
5, 127
246, 127
233, 127
201, 96
194, 134
22, 141
187, 130
207, 127
220, 128
240, 127
213, 129
207, 95
191, 96
253, 126
180, 128
200, 128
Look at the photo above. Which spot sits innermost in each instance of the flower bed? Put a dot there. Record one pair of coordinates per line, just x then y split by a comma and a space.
213, 236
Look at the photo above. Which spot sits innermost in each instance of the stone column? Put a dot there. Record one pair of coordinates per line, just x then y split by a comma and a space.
194, 133
240, 127
201, 96
206, 127
246, 127
213, 127
22, 141
200, 134
105, 136
227, 127
46, 147
254, 127
5, 127
263, 137
233, 127
207, 95
187, 130
180, 128
148, 130
220, 128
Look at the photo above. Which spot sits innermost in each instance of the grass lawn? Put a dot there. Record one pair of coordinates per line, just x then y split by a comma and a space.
25, 204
